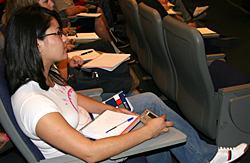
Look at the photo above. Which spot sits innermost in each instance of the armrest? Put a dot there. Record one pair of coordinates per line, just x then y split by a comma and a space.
215, 56
212, 57
61, 159
84, 41
94, 93
233, 121
210, 35
68, 158
234, 89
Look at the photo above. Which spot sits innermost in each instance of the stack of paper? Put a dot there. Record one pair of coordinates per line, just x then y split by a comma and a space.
107, 61
86, 55
109, 124
205, 31
84, 36
171, 12
89, 14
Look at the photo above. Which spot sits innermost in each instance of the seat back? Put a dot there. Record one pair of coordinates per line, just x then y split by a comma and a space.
163, 71
9, 123
195, 92
130, 33
143, 51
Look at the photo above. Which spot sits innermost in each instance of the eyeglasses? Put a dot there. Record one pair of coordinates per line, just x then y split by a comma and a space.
59, 33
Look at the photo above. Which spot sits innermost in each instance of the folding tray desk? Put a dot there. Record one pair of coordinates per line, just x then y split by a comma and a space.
173, 137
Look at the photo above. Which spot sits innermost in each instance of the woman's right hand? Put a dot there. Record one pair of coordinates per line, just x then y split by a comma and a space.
158, 126
75, 61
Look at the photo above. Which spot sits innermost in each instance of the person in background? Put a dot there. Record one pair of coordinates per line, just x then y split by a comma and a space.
111, 83
67, 8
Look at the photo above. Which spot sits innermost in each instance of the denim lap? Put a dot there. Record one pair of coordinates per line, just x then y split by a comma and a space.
194, 150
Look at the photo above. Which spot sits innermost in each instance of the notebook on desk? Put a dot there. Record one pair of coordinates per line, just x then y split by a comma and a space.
86, 55
84, 36
107, 61
84, 14
207, 33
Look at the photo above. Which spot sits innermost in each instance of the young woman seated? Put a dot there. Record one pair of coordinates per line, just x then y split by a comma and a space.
50, 113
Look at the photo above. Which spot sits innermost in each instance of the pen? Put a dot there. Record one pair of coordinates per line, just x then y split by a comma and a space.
120, 124
78, 27
87, 52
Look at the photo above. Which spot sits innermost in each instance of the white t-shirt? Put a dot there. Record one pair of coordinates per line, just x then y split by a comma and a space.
30, 103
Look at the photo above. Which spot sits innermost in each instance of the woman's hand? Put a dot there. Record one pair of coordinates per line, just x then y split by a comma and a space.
75, 61
68, 30
158, 126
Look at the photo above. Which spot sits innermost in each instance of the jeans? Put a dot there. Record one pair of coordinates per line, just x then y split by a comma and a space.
194, 150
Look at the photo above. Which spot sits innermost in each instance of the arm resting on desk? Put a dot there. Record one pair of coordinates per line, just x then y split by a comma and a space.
173, 137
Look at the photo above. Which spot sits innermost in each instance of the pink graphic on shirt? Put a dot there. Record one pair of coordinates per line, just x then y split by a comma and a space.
83, 119
70, 98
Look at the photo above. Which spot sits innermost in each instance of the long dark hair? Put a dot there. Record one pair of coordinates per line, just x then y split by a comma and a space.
22, 58
12, 5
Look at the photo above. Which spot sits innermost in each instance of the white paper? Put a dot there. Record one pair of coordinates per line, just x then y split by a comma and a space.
84, 36
89, 14
109, 119
86, 57
171, 12
205, 30
107, 61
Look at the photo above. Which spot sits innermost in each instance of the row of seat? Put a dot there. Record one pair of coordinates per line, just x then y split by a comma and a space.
173, 54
